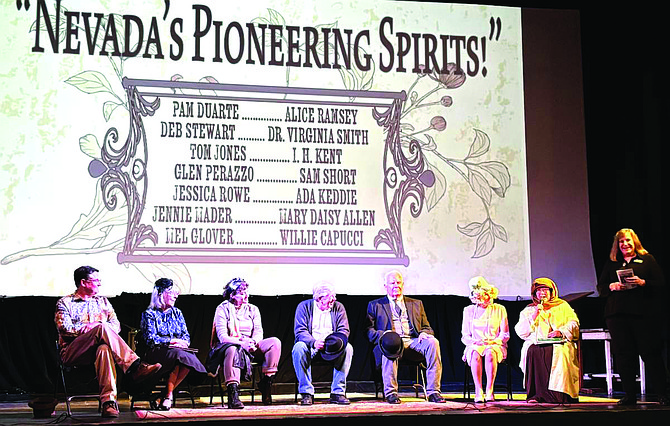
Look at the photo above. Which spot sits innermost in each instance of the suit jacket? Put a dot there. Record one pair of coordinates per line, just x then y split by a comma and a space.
302, 325
380, 319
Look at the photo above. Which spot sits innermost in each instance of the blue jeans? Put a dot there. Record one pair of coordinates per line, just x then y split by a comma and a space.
302, 363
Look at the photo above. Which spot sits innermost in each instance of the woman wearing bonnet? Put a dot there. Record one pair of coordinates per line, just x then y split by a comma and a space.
549, 360
484, 333
237, 340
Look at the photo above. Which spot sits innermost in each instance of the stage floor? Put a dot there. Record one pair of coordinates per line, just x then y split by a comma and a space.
364, 408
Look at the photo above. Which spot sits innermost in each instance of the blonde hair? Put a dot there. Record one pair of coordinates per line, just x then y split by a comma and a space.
479, 285
620, 234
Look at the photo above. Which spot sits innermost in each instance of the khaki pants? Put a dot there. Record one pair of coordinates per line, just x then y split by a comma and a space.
268, 351
105, 348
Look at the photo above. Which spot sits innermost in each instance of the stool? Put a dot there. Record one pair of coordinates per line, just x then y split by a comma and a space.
609, 375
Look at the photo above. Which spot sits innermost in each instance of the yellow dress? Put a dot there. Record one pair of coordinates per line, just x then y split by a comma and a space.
485, 329
564, 373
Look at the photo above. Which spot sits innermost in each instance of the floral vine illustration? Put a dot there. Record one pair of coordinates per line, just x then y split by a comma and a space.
485, 178
101, 229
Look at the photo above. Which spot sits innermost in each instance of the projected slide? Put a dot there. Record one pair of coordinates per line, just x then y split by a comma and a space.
286, 143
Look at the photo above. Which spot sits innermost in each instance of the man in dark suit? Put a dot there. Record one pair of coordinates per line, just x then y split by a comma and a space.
405, 316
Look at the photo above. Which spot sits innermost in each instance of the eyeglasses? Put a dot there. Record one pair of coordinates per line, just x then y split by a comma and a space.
96, 280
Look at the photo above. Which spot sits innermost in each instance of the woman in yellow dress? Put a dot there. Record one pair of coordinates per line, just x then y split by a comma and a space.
484, 333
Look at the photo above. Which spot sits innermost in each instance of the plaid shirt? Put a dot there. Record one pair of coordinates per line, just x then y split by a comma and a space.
73, 313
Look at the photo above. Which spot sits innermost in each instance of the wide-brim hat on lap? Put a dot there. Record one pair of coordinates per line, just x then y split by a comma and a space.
334, 346
391, 345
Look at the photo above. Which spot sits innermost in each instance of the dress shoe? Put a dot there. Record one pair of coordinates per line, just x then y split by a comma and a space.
627, 400
436, 398
144, 370
109, 409
306, 399
664, 400
339, 399
393, 399
165, 404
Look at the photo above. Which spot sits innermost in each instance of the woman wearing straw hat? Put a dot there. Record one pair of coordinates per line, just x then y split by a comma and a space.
484, 333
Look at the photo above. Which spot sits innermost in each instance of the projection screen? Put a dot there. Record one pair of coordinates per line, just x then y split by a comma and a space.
286, 143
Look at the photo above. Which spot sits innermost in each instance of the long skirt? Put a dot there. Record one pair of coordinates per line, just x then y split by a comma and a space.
169, 357
538, 370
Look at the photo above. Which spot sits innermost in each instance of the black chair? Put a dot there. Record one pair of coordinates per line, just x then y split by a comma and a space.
508, 386
155, 389
251, 388
82, 376
417, 369
245, 387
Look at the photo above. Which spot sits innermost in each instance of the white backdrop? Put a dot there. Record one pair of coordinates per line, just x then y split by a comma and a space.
465, 214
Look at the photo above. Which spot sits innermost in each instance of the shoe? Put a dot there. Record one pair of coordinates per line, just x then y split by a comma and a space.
144, 370
479, 398
265, 386
490, 397
627, 400
436, 398
339, 399
165, 404
306, 399
393, 399
664, 400
234, 397
109, 409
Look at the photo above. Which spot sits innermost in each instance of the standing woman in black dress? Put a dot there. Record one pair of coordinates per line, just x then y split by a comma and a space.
633, 314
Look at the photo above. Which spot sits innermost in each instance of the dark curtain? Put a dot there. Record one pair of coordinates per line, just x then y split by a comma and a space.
28, 359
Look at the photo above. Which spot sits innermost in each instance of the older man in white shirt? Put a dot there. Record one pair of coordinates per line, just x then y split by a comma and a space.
405, 316
315, 320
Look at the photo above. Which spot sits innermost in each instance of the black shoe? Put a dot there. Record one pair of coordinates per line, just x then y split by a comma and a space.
339, 399
393, 399
627, 400
306, 399
265, 386
664, 400
436, 397
234, 397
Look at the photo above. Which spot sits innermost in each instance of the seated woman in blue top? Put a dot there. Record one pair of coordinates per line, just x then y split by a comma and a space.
164, 331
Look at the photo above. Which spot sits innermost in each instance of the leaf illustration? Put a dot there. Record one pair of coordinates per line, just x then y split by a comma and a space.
500, 175
499, 232
479, 185
485, 244
480, 145
435, 193
90, 82
471, 230
108, 108
89, 145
